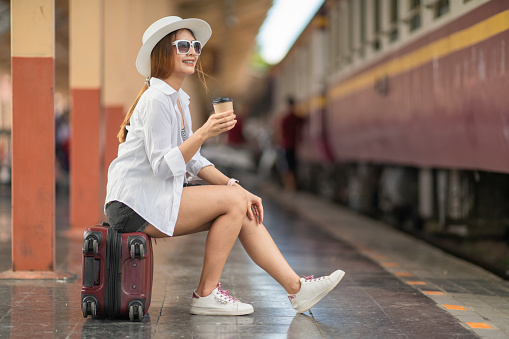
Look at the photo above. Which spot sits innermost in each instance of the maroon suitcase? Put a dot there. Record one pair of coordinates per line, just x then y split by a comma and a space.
117, 273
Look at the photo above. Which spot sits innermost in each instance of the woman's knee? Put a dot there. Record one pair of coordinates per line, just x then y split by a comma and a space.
237, 201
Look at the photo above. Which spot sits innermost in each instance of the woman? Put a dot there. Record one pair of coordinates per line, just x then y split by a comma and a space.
147, 189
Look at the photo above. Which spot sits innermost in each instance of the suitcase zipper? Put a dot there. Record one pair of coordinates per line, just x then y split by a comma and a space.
113, 273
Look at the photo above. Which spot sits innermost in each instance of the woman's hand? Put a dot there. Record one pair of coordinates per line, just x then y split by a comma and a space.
213, 176
254, 207
218, 123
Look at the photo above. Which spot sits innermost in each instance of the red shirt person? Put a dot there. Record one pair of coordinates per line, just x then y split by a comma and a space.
291, 125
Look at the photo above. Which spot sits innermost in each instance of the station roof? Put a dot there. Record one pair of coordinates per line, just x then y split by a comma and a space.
235, 24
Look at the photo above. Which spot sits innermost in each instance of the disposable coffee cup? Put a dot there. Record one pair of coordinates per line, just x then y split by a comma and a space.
222, 104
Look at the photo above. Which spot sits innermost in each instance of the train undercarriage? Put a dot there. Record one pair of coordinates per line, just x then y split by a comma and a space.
464, 212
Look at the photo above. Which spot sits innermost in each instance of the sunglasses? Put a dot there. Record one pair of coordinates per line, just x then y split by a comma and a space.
184, 46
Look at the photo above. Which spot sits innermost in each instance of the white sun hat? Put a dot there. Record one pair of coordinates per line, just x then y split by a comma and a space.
162, 27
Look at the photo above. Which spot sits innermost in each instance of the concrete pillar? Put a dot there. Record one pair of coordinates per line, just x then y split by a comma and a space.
140, 17
85, 71
33, 140
124, 25
115, 24
138, 22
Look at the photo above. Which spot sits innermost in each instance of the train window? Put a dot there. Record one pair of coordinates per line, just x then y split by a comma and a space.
441, 7
337, 42
378, 28
394, 33
334, 49
345, 33
351, 21
415, 15
362, 26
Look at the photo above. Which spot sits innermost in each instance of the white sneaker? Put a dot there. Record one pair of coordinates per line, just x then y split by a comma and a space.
312, 290
219, 302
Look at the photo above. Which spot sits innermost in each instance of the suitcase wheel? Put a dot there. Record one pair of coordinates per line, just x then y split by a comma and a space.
91, 242
136, 245
89, 306
135, 312
95, 246
141, 250
94, 309
133, 252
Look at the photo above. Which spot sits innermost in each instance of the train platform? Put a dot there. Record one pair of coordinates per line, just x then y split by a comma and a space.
395, 285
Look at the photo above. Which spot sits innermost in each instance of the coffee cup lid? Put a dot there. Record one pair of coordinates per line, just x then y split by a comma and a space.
221, 99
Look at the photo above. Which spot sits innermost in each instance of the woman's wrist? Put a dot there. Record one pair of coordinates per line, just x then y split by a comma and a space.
232, 182
200, 135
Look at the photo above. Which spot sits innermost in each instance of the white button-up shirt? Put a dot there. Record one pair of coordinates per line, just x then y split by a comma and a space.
149, 171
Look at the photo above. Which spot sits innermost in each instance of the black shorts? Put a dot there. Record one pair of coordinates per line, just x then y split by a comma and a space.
122, 218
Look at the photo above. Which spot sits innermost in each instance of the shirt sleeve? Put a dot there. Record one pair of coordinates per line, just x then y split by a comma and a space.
165, 158
196, 163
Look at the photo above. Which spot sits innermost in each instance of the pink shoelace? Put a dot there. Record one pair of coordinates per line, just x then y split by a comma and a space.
312, 278
226, 294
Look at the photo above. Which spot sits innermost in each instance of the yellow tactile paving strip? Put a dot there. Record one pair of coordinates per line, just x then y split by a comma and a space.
402, 275
434, 292
416, 282
455, 307
479, 325
389, 264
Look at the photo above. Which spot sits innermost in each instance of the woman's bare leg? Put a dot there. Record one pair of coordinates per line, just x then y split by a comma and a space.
218, 209
261, 248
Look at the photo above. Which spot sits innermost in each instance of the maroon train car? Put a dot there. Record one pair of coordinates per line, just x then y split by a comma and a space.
406, 110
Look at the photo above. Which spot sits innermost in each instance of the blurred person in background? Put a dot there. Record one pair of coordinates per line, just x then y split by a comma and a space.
62, 140
236, 135
62, 150
147, 187
290, 128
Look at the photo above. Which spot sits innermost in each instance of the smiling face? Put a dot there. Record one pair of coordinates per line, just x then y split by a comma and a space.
184, 63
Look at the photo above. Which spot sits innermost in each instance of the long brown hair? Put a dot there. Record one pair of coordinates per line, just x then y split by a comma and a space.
161, 67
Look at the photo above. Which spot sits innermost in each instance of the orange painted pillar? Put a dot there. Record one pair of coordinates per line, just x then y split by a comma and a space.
33, 140
115, 38
85, 71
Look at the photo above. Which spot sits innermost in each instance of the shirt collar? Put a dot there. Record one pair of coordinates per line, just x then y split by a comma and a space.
168, 90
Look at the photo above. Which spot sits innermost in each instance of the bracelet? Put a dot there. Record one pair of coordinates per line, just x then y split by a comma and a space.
231, 182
